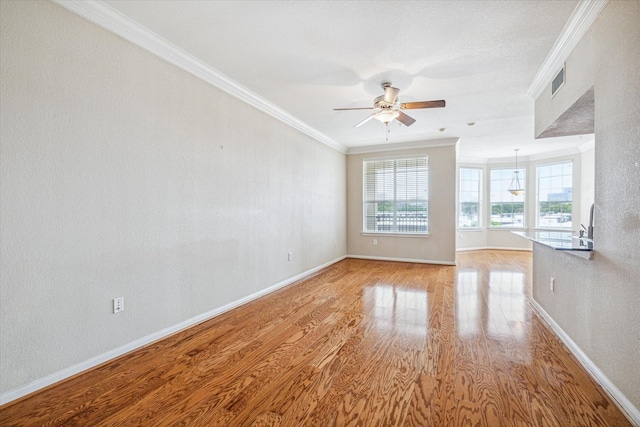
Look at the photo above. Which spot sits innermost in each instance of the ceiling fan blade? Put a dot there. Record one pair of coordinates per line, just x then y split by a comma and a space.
422, 104
366, 120
391, 94
357, 108
405, 119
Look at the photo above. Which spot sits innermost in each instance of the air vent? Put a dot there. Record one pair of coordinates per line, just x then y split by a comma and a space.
558, 81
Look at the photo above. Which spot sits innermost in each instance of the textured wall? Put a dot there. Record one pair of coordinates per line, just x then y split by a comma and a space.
440, 245
587, 188
597, 303
122, 175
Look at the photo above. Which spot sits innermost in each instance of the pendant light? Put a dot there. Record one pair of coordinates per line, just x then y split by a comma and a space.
516, 188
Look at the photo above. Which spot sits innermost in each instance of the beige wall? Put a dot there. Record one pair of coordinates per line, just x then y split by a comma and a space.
597, 303
122, 175
439, 246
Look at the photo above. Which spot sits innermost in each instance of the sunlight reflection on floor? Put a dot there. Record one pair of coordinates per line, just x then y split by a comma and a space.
401, 310
493, 305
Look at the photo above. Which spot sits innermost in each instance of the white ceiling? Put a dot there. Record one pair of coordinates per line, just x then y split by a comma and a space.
309, 57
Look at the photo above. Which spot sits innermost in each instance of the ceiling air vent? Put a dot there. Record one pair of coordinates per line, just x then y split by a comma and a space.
558, 81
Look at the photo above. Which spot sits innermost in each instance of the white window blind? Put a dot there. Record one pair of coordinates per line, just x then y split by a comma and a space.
396, 195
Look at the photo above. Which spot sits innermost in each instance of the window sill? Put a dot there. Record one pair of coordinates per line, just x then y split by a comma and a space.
507, 228
393, 234
472, 229
561, 229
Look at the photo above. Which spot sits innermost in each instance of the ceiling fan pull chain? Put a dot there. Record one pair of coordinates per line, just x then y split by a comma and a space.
388, 131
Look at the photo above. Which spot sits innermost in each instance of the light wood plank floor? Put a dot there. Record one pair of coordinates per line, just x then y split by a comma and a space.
362, 343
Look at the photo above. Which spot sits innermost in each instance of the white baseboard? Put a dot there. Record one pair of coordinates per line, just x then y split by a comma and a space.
478, 248
625, 405
119, 351
420, 261
499, 248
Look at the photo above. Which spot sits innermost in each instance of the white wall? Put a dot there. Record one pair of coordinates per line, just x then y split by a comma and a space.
439, 247
597, 302
122, 175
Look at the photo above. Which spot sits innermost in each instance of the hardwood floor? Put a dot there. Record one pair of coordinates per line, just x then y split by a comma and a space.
363, 343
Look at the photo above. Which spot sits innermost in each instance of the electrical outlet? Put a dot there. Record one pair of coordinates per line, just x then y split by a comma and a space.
290, 256
118, 305
375, 242
552, 284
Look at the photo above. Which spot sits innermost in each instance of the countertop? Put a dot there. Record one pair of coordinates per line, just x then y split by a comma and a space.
558, 240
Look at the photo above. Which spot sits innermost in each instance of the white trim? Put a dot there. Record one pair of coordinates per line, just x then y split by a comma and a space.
555, 156
477, 248
471, 160
418, 261
589, 145
498, 228
551, 229
494, 248
119, 351
505, 162
625, 405
461, 161
579, 22
394, 234
105, 16
424, 155
553, 162
430, 143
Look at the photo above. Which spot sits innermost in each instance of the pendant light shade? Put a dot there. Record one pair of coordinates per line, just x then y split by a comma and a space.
515, 187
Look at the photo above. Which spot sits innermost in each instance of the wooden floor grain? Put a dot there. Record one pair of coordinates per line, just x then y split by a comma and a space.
361, 343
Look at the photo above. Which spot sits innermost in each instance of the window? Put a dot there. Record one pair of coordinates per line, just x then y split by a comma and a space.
555, 194
469, 207
507, 210
396, 195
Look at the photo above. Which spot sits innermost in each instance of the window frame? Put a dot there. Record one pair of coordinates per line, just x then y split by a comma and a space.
396, 233
522, 173
480, 201
537, 195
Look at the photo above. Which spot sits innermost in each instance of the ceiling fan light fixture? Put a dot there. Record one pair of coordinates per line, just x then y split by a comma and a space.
385, 116
388, 108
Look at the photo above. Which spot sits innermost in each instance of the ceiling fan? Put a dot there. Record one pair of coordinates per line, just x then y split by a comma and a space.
388, 108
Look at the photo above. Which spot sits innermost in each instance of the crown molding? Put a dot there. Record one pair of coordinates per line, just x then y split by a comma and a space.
431, 143
589, 145
105, 16
471, 160
579, 22
555, 155
558, 154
